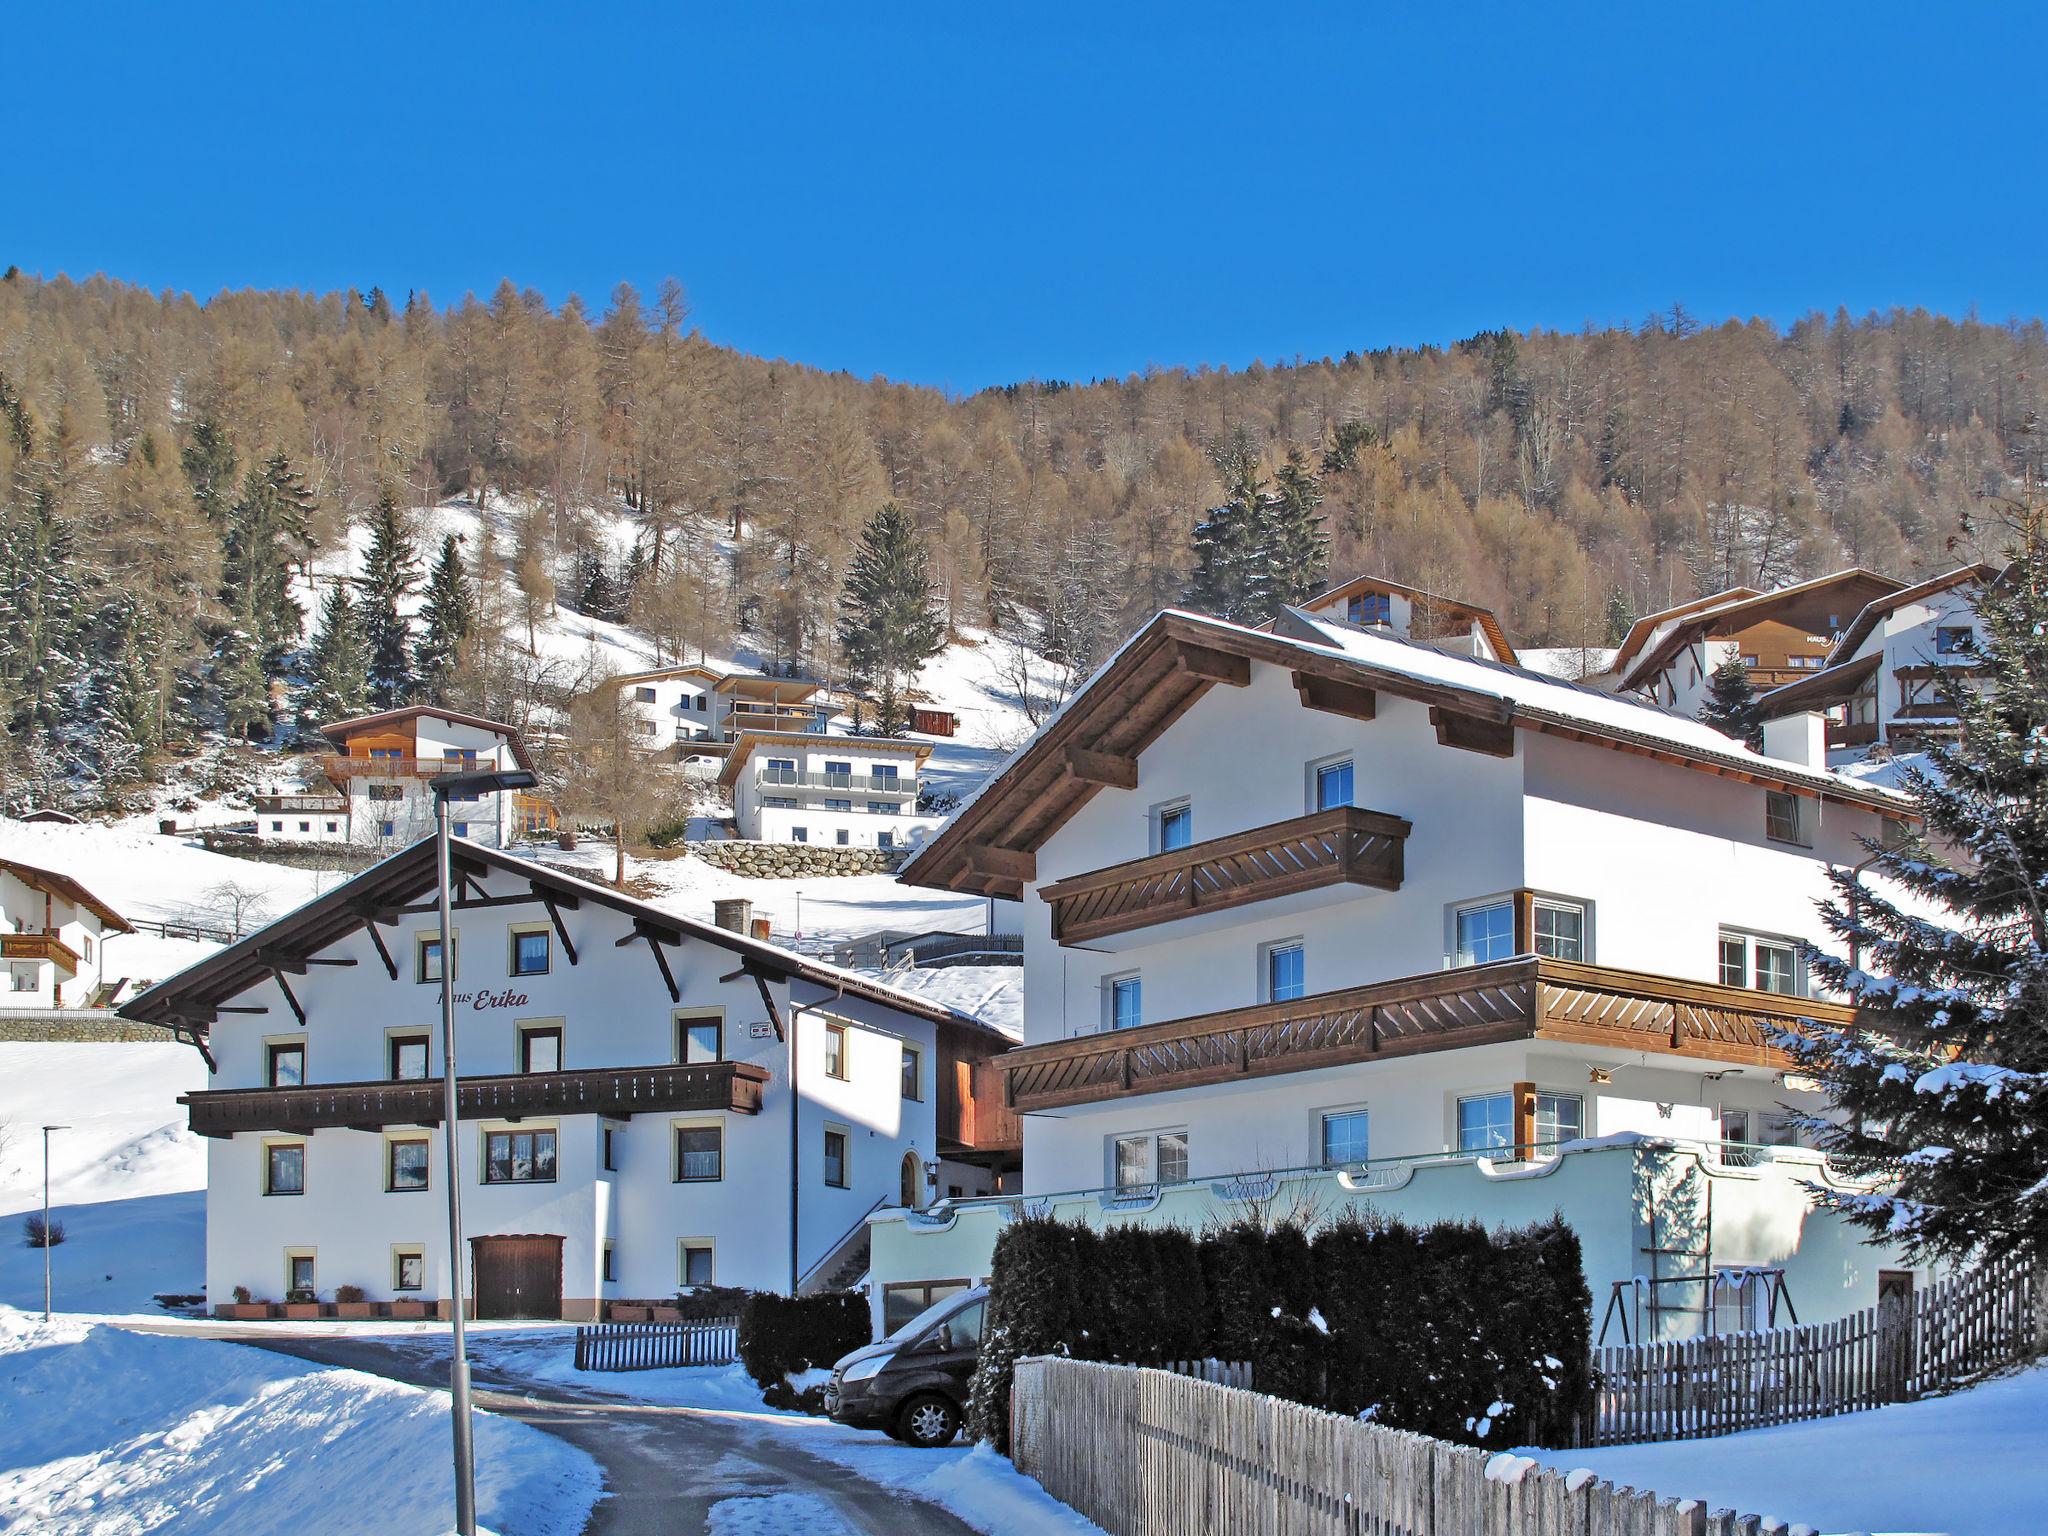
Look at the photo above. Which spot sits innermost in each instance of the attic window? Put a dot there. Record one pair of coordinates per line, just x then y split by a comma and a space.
1782, 818
1369, 608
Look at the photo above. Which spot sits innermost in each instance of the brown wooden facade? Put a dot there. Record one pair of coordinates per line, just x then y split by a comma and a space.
1345, 845
1527, 998
615, 1092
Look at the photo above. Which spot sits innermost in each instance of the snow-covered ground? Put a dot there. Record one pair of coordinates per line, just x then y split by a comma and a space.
1971, 1464
1570, 662
127, 1177
114, 1432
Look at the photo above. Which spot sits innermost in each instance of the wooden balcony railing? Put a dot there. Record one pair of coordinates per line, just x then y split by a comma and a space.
614, 1091
1324, 848
341, 769
40, 946
1520, 999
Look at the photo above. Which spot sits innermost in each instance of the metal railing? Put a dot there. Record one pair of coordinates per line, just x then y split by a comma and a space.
872, 783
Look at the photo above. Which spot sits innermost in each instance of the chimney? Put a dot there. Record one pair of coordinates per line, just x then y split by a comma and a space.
733, 913
1800, 738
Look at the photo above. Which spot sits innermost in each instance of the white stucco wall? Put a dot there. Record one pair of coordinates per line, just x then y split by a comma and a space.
33, 983
614, 1010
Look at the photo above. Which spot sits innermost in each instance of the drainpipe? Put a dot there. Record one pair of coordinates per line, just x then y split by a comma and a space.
796, 1110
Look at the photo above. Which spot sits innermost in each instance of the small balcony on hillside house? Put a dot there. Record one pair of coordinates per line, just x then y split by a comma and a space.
1525, 998
797, 719
300, 805
1305, 861
380, 765
832, 781
39, 946
616, 1092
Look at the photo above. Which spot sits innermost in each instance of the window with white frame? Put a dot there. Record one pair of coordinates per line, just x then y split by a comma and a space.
1759, 962
1285, 970
1333, 784
1124, 1001
1735, 1299
694, 1265
1345, 1138
1485, 933
284, 1168
1560, 1117
1486, 1122
1560, 929
1150, 1157
1783, 822
1175, 826
700, 1153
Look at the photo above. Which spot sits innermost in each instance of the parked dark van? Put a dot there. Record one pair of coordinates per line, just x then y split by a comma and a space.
915, 1383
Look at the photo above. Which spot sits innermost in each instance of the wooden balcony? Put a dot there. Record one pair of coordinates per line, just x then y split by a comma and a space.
40, 946
1526, 998
1851, 733
300, 805
616, 1091
1344, 845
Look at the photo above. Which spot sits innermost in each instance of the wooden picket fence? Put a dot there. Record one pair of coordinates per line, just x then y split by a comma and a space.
655, 1346
1148, 1453
1685, 1389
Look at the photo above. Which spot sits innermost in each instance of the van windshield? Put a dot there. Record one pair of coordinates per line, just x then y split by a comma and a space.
937, 1312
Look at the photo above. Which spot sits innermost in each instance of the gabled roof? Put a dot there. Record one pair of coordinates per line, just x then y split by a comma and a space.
662, 674
187, 1002
1860, 627
63, 885
339, 732
745, 743
1639, 632
1814, 606
989, 844
1483, 617
781, 690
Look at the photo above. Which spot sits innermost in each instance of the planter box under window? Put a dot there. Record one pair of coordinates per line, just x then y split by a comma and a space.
355, 1309
245, 1311
301, 1311
621, 1314
415, 1310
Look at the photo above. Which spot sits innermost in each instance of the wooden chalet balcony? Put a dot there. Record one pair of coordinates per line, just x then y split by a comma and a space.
1325, 848
616, 1091
40, 946
1521, 999
341, 769
286, 805
1851, 733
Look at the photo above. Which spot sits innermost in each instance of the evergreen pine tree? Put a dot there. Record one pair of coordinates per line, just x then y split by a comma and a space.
448, 623
1731, 702
40, 612
1943, 1082
125, 709
337, 663
890, 624
1229, 579
390, 571
209, 461
239, 684
1297, 548
1621, 615
267, 531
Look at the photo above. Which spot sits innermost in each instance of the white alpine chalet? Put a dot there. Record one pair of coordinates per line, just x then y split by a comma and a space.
629, 1127
1318, 917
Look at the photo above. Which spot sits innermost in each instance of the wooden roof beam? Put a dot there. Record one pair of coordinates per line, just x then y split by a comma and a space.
1333, 696
1473, 733
1212, 665
1108, 769
1002, 863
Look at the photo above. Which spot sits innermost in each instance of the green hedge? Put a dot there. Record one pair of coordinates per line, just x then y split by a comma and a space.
783, 1336
1451, 1330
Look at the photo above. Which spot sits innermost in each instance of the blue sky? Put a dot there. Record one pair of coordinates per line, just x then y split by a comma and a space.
968, 195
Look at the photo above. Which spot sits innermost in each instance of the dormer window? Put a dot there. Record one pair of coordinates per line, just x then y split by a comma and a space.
1369, 608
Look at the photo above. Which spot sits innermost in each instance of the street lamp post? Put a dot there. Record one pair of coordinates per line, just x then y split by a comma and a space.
46, 1215
446, 787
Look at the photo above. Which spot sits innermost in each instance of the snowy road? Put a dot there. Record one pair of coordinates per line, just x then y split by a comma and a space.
668, 1471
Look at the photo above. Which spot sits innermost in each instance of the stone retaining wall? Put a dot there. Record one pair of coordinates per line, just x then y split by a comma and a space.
793, 861
89, 1031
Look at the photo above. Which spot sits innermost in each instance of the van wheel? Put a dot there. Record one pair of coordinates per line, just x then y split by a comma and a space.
928, 1420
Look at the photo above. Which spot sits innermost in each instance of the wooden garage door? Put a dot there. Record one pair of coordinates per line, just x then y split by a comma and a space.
518, 1276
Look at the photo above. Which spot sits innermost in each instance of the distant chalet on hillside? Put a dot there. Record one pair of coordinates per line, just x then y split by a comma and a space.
379, 775
55, 943
1448, 623
699, 711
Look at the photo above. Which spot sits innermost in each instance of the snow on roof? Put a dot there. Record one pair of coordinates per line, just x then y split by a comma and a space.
1533, 692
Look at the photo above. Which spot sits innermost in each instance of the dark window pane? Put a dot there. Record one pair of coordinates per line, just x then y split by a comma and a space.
408, 1165
529, 954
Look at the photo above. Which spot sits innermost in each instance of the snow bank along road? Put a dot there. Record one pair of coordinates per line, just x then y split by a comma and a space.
669, 1471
